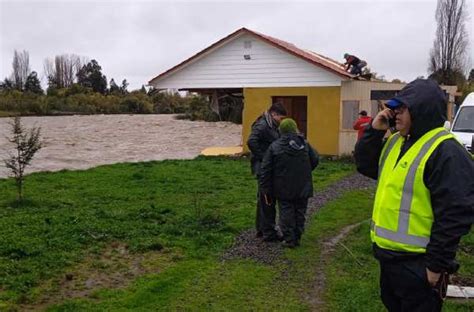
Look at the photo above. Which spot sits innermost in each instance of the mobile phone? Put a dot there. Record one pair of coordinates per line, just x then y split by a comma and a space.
391, 122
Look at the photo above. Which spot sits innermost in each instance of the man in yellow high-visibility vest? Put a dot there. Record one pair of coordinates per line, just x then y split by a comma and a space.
424, 202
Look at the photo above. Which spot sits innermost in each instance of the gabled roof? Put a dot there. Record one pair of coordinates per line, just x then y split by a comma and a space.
309, 56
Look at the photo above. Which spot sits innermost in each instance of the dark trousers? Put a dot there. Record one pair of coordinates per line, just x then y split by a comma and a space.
404, 287
265, 217
292, 218
357, 69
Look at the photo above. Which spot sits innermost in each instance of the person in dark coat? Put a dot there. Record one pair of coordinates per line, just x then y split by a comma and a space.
429, 210
264, 132
285, 175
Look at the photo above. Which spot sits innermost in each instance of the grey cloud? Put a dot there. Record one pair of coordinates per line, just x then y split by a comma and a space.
138, 40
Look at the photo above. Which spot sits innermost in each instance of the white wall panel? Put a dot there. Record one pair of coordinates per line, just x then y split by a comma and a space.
225, 67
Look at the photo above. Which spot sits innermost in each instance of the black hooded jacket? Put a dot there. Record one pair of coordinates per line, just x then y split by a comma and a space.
448, 174
264, 132
286, 168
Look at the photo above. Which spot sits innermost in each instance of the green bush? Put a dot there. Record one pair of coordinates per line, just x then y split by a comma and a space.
23, 103
80, 100
77, 89
137, 103
199, 109
169, 103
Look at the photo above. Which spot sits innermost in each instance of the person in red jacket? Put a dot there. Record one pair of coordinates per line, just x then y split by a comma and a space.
361, 123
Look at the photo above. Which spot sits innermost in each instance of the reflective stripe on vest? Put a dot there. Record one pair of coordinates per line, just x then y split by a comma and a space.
402, 235
387, 150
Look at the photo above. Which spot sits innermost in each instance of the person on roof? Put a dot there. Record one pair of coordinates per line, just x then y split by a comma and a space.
353, 64
424, 199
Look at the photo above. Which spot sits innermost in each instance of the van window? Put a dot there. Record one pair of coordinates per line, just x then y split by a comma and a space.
465, 120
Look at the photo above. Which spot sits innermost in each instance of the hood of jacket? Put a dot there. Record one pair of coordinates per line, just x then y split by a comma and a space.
427, 104
293, 143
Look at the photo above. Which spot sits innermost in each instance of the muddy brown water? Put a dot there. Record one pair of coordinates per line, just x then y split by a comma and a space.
81, 142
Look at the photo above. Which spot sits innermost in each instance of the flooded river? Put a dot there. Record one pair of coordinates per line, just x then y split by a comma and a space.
80, 142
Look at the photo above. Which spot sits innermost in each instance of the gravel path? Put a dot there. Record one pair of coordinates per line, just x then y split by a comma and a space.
247, 246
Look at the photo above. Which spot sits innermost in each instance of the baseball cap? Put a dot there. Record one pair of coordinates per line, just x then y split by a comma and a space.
393, 103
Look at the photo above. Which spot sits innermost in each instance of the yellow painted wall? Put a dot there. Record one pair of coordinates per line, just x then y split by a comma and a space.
323, 113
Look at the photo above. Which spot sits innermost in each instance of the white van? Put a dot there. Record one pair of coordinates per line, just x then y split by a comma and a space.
463, 124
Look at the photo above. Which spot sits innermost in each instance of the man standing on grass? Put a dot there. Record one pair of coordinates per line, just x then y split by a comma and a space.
425, 197
264, 132
285, 176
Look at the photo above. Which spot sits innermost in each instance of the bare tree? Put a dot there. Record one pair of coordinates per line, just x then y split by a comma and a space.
61, 71
448, 55
26, 144
21, 69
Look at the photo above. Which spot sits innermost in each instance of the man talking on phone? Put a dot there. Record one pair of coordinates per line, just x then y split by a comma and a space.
424, 200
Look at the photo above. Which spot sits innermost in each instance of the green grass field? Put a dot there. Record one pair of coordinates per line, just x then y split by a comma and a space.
152, 235
352, 287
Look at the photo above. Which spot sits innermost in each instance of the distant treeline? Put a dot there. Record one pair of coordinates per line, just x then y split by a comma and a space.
78, 86
74, 100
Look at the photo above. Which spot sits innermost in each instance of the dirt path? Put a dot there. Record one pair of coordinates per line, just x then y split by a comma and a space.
81, 142
314, 296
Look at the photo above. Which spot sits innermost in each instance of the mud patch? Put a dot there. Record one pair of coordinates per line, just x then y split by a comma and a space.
114, 268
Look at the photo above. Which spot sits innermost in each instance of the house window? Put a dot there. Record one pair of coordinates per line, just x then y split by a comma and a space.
350, 112
247, 44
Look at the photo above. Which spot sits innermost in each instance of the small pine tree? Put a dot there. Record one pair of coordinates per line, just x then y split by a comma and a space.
26, 144
114, 88
124, 86
33, 84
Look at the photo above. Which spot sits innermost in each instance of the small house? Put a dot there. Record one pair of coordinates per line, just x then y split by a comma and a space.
318, 93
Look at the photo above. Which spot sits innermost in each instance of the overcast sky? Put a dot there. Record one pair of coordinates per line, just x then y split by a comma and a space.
138, 40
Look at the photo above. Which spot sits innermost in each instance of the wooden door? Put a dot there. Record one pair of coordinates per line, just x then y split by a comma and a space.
297, 108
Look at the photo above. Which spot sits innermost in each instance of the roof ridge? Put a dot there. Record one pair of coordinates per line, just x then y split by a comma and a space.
326, 58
